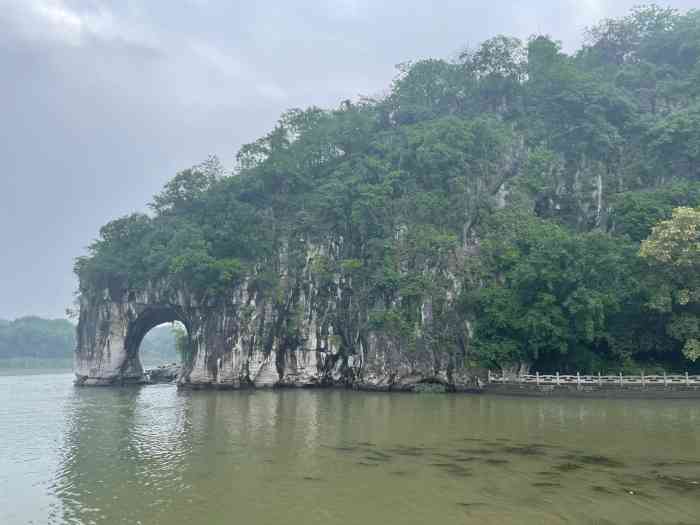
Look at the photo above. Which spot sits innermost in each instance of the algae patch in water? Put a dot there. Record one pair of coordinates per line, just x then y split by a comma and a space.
678, 483
524, 450
468, 459
600, 489
546, 485
477, 451
496, 461
408, 451
678, 463
379, 454
470, 504
366, 464
602, 461
568, 467
453, 469
379, 459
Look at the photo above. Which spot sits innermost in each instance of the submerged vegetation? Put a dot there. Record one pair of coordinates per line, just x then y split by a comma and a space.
520, 196
558, 465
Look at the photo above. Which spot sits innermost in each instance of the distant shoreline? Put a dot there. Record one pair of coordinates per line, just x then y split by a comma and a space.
41, 363
36, 363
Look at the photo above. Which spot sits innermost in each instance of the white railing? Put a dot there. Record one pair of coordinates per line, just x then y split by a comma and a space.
600, 380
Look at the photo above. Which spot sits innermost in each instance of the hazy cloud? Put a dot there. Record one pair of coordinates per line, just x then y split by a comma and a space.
56, 23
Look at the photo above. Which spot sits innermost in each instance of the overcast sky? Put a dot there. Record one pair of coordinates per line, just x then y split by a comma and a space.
101, 102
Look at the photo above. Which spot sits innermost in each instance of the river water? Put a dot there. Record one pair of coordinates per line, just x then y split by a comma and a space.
153, 455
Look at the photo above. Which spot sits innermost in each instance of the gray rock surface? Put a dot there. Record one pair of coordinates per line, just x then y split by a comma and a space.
164, 373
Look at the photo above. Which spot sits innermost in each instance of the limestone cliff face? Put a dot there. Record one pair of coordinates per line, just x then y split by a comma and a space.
303, 338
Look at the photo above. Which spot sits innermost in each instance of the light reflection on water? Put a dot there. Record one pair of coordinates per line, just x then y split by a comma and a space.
155, 455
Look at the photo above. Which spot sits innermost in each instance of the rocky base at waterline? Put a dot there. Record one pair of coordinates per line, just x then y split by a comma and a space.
415, 384
163, 373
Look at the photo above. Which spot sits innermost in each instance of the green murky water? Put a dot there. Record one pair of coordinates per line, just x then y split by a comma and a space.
155, 455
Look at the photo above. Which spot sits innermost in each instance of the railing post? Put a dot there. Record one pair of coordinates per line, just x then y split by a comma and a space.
642, 378
537, 375
620, 378
503, 376
558, 383
687, 379
665, 380
578, 379
488, 377
600, 379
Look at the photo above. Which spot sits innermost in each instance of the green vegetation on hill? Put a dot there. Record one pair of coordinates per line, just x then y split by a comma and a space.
36, 338
520, 177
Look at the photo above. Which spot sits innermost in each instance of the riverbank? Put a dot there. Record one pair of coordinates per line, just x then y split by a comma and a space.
678, 386
612, 387
595, 391
609, 391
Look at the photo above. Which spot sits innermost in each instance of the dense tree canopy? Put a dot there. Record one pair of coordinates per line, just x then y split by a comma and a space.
518, 176
548, 293
33, 337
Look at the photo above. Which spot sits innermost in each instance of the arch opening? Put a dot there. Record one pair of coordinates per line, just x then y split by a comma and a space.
154, 342
162, 345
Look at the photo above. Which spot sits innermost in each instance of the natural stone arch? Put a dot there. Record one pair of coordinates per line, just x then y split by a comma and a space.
110, 332
148, 318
